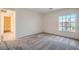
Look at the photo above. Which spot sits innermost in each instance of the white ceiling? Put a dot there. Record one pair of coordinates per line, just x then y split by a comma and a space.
43, 10
39, 10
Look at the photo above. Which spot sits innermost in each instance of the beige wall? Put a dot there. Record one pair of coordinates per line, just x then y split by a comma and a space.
27, 22
51, 22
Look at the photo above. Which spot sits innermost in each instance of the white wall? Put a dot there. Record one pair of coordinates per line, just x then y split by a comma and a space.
27, 22
51, 23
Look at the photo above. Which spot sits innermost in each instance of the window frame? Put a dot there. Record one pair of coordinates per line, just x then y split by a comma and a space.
64, 20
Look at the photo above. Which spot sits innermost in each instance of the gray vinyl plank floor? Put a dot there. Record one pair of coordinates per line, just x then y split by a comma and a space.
41, 42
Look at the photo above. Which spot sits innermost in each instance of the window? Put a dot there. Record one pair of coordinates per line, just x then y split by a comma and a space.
67, 23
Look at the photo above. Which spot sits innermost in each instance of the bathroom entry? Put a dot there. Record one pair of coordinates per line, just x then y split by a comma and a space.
7, 24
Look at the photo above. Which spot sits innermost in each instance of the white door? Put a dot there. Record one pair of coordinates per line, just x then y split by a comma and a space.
8, 25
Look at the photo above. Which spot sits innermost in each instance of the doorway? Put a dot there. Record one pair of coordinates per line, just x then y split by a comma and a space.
8, 25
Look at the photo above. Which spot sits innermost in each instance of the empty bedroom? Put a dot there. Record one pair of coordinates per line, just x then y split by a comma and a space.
39, 29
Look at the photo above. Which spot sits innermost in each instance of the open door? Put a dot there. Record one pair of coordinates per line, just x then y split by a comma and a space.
7, 24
